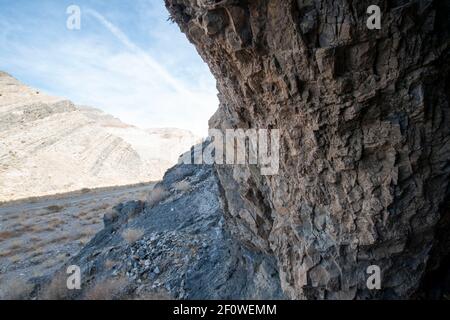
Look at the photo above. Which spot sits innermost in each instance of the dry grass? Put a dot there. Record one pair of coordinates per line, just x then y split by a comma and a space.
156, 196
83, 241
8, 234
24, 228
36, 253
57, 289
38, 240
132, 235
55, 223
85, 190
93, 220
55, 209
107, 290
182, 186
38, 229
178, 172
15, 258
109, 264
101, 207
83, 214
17, 244
83, 235
35, 239
56, 240
13, 216
15, 289
5, 253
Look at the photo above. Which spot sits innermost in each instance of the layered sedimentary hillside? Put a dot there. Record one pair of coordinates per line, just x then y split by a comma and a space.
48, 145
365, 135
364, 160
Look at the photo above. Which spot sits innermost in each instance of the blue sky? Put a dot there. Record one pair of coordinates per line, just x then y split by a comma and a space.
126, 59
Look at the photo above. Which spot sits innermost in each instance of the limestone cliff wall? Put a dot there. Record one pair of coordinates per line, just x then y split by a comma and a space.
365, 127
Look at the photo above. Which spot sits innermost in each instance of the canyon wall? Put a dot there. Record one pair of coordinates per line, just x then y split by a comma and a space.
365, 128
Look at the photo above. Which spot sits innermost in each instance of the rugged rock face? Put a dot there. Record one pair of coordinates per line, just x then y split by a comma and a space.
365, 128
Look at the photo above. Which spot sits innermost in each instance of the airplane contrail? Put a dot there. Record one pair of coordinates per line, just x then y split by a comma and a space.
122, 37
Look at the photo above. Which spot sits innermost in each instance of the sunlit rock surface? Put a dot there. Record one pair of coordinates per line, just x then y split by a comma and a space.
48, 145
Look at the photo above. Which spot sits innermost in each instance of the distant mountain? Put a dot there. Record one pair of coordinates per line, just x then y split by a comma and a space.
49, 145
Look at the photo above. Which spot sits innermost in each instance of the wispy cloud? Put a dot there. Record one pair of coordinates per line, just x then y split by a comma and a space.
165, 75
144, 82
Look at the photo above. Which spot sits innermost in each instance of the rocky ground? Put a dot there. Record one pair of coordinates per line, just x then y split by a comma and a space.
38, 236
176, 244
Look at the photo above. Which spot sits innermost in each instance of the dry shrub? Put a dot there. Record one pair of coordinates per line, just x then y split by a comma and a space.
83, 241
132, 235
83, 214
157, 195
24, 228
36, 253
55, 223
85, 190
35, 240
57, 289
8, 234
5, 253
109, 264
54, 209
16, 244
16, 289
107, 290
61, 239
182, 186
38, 229
15, 258
101, 207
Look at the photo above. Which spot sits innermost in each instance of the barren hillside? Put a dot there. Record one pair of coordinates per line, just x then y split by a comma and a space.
49, 145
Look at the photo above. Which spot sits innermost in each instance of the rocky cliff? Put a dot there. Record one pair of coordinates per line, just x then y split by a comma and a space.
364, 166
365, 136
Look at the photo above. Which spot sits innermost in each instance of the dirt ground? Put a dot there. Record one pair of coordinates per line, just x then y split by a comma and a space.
38, 235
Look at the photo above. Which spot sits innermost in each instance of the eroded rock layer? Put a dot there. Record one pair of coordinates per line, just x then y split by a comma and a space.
365, 130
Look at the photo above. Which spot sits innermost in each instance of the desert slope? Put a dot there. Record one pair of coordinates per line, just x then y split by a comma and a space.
49, 145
